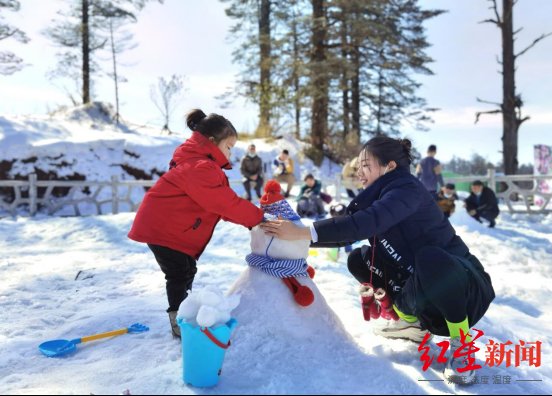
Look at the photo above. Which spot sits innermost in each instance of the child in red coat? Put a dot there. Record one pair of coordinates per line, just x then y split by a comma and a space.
179, 213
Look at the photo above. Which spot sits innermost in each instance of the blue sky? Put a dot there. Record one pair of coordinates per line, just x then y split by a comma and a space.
191, 38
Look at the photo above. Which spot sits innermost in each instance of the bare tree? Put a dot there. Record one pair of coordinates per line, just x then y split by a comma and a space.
512, 103
9, 62
165, 95
120, 42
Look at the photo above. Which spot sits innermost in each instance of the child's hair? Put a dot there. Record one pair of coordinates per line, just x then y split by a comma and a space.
386, 149
309, 176
214, 125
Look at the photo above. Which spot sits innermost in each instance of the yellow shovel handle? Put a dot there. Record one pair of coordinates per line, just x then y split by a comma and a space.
104, 335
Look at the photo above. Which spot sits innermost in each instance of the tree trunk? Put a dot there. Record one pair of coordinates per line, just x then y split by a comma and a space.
263, 129
510, 123
345, 77
355, 97
115, 77
319, 79
296, 85
379, 114
85, 54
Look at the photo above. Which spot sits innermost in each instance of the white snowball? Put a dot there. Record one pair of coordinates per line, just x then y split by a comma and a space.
207, 316
189, 308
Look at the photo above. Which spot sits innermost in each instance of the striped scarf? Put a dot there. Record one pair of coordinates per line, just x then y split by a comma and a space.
280, 268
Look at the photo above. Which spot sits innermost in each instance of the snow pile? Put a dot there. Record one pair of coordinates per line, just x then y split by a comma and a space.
207, 307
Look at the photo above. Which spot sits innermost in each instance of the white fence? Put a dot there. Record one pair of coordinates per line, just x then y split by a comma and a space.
113, 196
519, 193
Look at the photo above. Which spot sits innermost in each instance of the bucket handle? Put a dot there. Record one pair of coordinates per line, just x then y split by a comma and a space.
210, 335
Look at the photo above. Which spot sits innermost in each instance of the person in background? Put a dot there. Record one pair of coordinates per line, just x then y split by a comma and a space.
251, 169
310, 203
446, 198
482, 203
350, 179
179, 213
283, 171
435, 284
429, 171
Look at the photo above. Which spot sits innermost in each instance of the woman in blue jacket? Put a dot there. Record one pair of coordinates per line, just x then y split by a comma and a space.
435, 283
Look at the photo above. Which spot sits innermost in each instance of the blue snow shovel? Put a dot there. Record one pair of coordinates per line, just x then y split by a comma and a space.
56, 348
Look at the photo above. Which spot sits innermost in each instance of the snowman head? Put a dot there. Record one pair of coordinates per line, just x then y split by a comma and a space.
275, 206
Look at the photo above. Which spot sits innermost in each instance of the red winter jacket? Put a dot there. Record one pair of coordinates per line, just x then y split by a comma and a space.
182, 209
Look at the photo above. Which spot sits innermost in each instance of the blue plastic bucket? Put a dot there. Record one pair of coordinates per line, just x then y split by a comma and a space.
203, 350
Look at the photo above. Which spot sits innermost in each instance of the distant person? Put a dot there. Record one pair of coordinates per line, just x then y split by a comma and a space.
252, 171
350, 179
283, 171
179, 213
429, 171
310, 203
446, 198
482, 203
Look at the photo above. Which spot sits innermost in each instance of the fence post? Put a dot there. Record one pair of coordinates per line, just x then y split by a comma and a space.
32, 194
114, 194
491, 175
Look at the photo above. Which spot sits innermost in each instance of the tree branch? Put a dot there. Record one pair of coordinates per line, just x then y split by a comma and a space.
495, 8
486, 101
533, 44
497, 21
479, 113
523, 120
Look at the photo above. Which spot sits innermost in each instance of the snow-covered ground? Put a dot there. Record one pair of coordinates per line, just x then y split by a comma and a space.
119, 283
68, 277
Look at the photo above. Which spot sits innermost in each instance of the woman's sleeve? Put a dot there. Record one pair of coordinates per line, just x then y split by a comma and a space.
388, 211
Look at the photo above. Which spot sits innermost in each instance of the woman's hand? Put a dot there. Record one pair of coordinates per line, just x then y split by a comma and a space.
285, 229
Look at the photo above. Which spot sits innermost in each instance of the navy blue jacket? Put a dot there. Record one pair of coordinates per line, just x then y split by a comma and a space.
486, 202
400, 212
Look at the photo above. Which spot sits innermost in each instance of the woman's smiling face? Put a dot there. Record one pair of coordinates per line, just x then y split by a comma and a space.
370, 169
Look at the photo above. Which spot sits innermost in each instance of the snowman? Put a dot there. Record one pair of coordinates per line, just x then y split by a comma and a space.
277, 286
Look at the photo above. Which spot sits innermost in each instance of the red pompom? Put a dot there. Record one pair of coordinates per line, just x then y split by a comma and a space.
272, 193
272, 186
302, 294
311, 272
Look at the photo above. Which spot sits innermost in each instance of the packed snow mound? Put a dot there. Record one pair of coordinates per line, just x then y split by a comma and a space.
268, 313
95, 112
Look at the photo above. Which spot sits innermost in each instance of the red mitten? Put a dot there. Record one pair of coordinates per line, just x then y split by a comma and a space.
383, 300
311, 271
369, 307
302, 294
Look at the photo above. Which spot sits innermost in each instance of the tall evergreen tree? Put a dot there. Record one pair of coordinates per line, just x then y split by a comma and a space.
83, 30
9, 62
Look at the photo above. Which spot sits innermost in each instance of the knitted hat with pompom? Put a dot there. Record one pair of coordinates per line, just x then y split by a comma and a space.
274, 203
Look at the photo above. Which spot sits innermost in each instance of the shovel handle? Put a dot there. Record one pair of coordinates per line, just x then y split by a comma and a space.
104, 335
